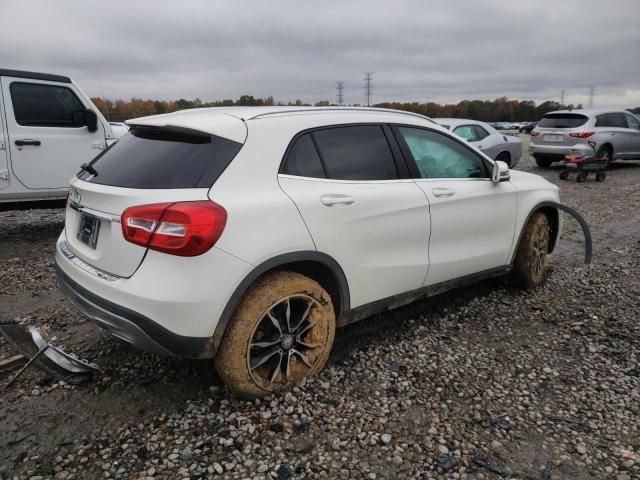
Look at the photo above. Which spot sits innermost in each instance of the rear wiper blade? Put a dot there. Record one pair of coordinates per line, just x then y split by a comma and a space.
86, 167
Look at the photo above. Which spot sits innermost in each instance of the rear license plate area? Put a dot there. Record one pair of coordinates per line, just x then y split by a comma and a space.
88, 229
553, 138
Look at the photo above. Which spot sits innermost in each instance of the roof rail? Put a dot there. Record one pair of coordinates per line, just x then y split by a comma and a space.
342, 109
5, 72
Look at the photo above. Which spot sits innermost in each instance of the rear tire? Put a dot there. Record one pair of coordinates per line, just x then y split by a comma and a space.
543, 162
282, 331
531, 256
605, 151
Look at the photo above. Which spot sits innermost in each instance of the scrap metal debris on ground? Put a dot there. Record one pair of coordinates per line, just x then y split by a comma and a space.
38, 350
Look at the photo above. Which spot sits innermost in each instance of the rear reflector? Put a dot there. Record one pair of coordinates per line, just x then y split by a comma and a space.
581, 134
184, 228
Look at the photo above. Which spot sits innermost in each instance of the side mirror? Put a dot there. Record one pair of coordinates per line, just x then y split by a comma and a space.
88, 118
500, 172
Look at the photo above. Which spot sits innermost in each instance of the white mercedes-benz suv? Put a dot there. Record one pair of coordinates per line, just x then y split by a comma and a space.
248, 235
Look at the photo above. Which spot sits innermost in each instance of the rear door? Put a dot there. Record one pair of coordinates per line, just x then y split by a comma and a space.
4, 153
47, 145
359, 210
612, 128
472, 218
632, 136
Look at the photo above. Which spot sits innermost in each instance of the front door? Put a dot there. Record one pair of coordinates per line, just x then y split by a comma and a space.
46, 142
345, 183
472, 219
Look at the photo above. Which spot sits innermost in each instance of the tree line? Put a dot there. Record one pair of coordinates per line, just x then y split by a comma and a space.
500, 109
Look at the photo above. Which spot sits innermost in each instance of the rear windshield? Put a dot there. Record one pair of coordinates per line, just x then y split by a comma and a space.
160, 158
562, 120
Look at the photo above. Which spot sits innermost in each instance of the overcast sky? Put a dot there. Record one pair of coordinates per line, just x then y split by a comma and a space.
420, 50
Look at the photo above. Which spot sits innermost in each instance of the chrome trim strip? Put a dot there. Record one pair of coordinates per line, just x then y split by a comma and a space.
107, 217
81, 264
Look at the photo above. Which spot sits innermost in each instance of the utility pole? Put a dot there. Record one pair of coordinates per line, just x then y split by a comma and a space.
368, 76
340, 88
562, 96
591, 94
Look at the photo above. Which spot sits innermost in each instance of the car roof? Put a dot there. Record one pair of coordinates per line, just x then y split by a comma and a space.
589, 112
231, 122
458, 121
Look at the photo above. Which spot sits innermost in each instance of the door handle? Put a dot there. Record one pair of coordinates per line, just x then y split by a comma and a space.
336, 200
443, 192
28, 141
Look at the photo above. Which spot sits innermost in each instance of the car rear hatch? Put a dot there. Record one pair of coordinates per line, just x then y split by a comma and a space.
556, 128
154, 163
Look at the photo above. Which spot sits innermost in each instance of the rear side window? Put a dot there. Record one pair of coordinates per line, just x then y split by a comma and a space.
356, 153
303, 159
562, 120
614, 119
38, 105
159, 158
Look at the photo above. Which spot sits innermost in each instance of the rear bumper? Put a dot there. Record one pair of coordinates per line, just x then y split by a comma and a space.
559, 151
131, 326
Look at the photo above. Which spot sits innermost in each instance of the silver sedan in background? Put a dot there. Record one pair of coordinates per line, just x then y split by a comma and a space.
499, 146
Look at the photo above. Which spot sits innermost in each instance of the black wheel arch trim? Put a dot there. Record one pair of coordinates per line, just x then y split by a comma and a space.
280, 262
588, 244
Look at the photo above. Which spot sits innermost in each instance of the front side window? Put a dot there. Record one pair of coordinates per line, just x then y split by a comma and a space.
39, 105
632, 121
438, 156
303, 159
358, 152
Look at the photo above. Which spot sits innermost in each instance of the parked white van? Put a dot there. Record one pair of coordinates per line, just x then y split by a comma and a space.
48, 128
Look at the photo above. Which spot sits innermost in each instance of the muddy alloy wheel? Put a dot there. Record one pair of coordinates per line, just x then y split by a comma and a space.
282, 332
531, 257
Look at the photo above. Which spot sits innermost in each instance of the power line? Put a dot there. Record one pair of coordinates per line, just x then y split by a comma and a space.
368, 76
340, 88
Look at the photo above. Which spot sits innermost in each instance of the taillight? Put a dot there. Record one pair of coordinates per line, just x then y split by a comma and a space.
184, 228
534, 133
581, 134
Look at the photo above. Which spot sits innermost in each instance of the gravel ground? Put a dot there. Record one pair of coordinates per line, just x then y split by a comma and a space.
483, 382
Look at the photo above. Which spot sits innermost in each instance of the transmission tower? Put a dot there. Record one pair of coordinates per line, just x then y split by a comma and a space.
340, 88
562, 96
368, 76
591, 94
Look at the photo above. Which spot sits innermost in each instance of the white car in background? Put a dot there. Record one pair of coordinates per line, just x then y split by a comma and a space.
497, 145
248, 235
48, 128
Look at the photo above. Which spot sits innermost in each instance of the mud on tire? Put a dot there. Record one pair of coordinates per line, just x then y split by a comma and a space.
531, 256
282, 331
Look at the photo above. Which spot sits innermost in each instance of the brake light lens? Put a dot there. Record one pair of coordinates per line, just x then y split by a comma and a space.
581, 134
183, 228
534, 133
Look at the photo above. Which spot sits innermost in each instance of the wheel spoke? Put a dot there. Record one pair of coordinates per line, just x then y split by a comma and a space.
288, 314
275, 322
308, 346
302, 356
276, 370
261, 360
304, 316
308, 327
270, 343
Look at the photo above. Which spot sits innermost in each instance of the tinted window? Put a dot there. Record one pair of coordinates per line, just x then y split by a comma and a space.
438, 156
562, 120
356, 153
615, 119
480, 132
156, 158
45, 105
632, 121
303, 159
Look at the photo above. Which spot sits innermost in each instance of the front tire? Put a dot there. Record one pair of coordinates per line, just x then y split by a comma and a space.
282, 331
504, 157
531, 257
